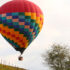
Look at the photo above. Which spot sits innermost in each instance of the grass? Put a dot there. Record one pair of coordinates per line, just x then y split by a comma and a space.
6, 67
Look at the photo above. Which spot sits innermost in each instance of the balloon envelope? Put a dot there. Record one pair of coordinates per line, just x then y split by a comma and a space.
20, 23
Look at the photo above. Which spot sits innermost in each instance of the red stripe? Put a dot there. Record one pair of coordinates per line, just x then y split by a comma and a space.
20, 6
0, 10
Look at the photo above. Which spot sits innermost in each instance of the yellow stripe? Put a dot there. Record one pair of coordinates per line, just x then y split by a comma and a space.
33, 16
27, 13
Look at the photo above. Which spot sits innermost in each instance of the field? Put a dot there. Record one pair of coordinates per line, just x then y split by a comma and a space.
5, 67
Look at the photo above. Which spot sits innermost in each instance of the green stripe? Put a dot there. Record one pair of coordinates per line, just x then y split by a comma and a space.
9, 20
3, 18
28, 17
15, 14
21, 13
15, 23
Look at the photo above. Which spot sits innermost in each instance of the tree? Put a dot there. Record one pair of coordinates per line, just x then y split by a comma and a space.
58, 58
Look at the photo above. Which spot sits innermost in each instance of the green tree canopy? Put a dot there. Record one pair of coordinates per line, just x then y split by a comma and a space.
58, 57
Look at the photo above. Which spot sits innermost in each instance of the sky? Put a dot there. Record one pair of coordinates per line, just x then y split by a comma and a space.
56, 29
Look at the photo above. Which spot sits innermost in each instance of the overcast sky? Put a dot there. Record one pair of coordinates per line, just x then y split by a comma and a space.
56, 29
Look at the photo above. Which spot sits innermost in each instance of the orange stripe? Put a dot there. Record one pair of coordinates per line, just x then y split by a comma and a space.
3, 15
15, 20
27, 26
9, 17
21, 23
16, 33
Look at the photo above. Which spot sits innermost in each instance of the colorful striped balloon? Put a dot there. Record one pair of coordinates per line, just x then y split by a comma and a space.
20, 23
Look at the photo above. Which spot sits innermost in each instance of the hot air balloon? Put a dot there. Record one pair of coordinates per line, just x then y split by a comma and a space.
20, 23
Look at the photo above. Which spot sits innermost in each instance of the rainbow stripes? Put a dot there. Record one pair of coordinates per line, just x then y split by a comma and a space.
20, 29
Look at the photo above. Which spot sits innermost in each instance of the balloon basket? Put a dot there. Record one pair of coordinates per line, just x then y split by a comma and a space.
20, 58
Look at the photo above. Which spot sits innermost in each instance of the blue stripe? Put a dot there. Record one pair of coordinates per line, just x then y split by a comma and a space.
21, 20
0, 19
14, 17
15, 26
31, 27
0, 15
9, 14
21, 29
4, 21
27, 23
9, 23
